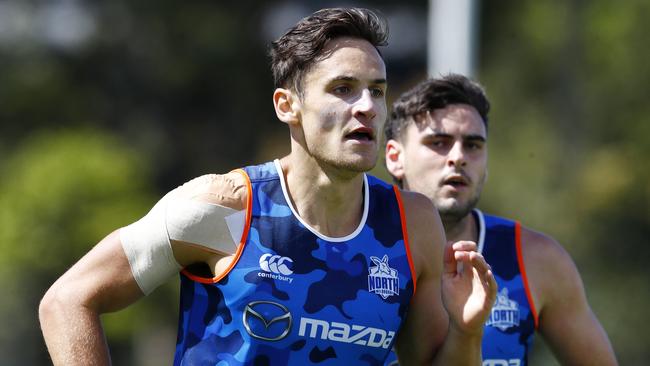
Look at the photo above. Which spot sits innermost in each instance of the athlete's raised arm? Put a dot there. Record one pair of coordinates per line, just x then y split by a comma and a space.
450, 306
133, 261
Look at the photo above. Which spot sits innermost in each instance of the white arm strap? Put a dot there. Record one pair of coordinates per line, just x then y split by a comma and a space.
147, 243
209, 225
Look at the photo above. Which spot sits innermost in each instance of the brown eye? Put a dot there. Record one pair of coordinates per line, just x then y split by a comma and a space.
342, 90
377, 92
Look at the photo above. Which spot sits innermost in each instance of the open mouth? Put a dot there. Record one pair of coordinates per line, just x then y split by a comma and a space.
361, 134
456, 181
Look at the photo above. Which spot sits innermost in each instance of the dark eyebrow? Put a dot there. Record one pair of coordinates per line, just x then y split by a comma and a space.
474, 138
437, 134
440, 134
354, 79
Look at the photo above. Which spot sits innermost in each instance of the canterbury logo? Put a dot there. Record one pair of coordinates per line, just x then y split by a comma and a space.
276, 264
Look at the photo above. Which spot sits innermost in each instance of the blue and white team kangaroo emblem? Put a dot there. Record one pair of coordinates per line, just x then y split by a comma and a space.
505, 312
382, 279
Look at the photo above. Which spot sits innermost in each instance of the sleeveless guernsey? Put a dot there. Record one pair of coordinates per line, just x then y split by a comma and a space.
508, 333
296, 297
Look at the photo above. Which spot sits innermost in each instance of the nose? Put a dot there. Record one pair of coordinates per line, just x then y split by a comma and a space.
456, 156
364, 106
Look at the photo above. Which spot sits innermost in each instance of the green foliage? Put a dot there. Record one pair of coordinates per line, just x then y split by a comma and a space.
61, 192
569, 136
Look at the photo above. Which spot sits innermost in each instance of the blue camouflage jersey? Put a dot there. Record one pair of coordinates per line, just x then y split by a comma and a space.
296, 297
508, 333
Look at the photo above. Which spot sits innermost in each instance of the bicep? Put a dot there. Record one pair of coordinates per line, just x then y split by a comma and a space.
571, 329
426, 325
427, 322
577, 338
101, 280
567, 322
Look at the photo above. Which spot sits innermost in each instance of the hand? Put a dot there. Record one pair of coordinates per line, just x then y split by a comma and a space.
468, 287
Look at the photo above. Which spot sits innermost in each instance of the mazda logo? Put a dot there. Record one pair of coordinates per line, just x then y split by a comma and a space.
266, 320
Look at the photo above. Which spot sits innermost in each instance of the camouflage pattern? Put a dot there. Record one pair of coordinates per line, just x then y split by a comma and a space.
297, 298
508, 333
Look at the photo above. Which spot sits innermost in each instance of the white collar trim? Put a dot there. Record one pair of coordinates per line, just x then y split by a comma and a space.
356, 232
481, 229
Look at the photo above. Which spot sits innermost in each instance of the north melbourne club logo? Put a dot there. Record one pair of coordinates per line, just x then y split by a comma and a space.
382, 279
505, 312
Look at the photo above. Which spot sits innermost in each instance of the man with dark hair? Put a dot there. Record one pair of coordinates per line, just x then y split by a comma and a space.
305, 260
436, 144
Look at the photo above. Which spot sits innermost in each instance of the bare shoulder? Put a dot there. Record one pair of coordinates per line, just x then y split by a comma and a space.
418, 206
542, 250
188, 240
551, 272
424, 227
228, 189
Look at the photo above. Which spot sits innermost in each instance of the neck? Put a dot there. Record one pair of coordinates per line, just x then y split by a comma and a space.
329, 202
464, 228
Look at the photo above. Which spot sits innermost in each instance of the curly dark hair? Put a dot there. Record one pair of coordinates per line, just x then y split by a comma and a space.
433, 94
300, 47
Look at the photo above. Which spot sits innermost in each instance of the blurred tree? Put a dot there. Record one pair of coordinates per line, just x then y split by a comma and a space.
165, 73
61, 192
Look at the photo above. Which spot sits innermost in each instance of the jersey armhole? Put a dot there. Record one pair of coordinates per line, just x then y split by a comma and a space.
524, 276
405, 235
242, 241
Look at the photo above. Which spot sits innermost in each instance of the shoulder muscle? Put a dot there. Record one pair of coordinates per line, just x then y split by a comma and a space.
551, 271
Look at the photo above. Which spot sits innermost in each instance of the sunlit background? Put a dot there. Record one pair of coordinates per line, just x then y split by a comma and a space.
107, 105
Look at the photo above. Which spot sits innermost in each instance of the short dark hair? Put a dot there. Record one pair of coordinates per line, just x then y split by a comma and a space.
299, 48
433, 94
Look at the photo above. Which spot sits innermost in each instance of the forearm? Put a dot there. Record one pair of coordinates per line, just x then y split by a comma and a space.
459, 349
72, 332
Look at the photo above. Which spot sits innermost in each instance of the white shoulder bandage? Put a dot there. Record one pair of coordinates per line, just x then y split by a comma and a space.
147, 242
213, 226
147, 247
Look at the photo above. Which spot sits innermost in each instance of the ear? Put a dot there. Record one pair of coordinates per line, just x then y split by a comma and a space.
287, 106
394, 159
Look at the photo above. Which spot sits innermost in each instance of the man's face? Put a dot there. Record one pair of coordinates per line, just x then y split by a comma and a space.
343, 107
443, 154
